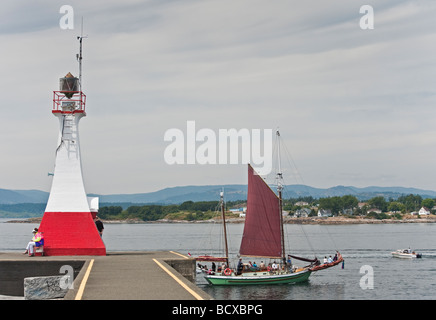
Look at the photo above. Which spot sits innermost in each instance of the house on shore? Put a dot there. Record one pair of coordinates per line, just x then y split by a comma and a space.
241, 211
324, 213
424, 211
375, 210
302, 213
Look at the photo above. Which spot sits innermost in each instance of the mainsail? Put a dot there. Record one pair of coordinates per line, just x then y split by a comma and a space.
262, 234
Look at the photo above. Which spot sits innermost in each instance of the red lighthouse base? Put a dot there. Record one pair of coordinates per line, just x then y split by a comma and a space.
71, 234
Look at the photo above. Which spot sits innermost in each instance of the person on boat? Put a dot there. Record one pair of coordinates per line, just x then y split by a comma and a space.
213, 267
289, 261
316, 262
330, 260
335, 258
223, 267
274, 266
262, 265
240, 267
325, 259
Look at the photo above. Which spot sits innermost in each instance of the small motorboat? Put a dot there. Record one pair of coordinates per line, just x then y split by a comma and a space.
406, 254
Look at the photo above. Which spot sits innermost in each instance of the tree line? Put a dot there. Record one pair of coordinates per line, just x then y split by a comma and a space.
204, 210
22, 210
349, 203
188, 210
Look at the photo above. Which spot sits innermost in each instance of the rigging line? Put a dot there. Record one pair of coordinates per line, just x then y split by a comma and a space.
291, 160
208, 236
215, 243
272, 176
291, 164
213, 227
227, 228
308, 240
221, 232
331, 238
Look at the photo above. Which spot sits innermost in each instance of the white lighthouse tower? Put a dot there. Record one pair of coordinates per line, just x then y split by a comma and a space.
67, 190
68, 224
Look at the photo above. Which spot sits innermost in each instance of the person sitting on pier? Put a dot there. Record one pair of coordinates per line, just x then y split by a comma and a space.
37, 241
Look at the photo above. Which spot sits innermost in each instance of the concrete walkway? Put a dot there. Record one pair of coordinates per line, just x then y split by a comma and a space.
129, 275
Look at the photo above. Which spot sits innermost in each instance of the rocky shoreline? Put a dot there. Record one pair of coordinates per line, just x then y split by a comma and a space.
340, 220
358, 220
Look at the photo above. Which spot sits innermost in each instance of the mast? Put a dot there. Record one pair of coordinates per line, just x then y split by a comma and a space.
224, 226
279, 190
79, 55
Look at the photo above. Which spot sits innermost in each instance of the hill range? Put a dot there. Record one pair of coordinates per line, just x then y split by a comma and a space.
177, 195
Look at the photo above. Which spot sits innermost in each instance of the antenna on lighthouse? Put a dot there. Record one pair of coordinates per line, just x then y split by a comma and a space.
79, 55
71, 88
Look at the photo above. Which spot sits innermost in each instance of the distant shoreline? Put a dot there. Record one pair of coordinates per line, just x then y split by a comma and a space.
358, 220
310, 220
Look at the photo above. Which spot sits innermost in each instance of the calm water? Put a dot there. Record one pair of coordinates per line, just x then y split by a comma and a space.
361, 245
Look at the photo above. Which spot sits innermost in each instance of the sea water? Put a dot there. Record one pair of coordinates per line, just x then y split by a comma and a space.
370, 272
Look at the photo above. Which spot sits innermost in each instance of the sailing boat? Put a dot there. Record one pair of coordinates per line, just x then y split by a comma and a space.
263, 236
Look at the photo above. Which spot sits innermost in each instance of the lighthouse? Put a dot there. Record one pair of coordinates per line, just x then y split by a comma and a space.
68, 222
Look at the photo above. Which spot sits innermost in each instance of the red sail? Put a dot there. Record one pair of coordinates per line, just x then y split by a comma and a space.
261, 235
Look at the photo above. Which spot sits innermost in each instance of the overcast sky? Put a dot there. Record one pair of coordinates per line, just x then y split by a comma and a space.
354, 107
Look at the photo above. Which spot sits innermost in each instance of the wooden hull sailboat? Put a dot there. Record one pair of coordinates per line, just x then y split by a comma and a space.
263, 237
260, 277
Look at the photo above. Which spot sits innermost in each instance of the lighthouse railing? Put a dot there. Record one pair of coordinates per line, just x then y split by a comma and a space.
77, 101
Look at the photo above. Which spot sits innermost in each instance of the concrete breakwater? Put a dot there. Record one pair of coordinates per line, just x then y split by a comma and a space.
162, 275
14, 271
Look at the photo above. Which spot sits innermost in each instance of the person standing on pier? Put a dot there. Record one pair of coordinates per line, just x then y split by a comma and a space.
99, 226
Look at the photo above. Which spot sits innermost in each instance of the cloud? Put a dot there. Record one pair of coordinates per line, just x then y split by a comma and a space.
346, 100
